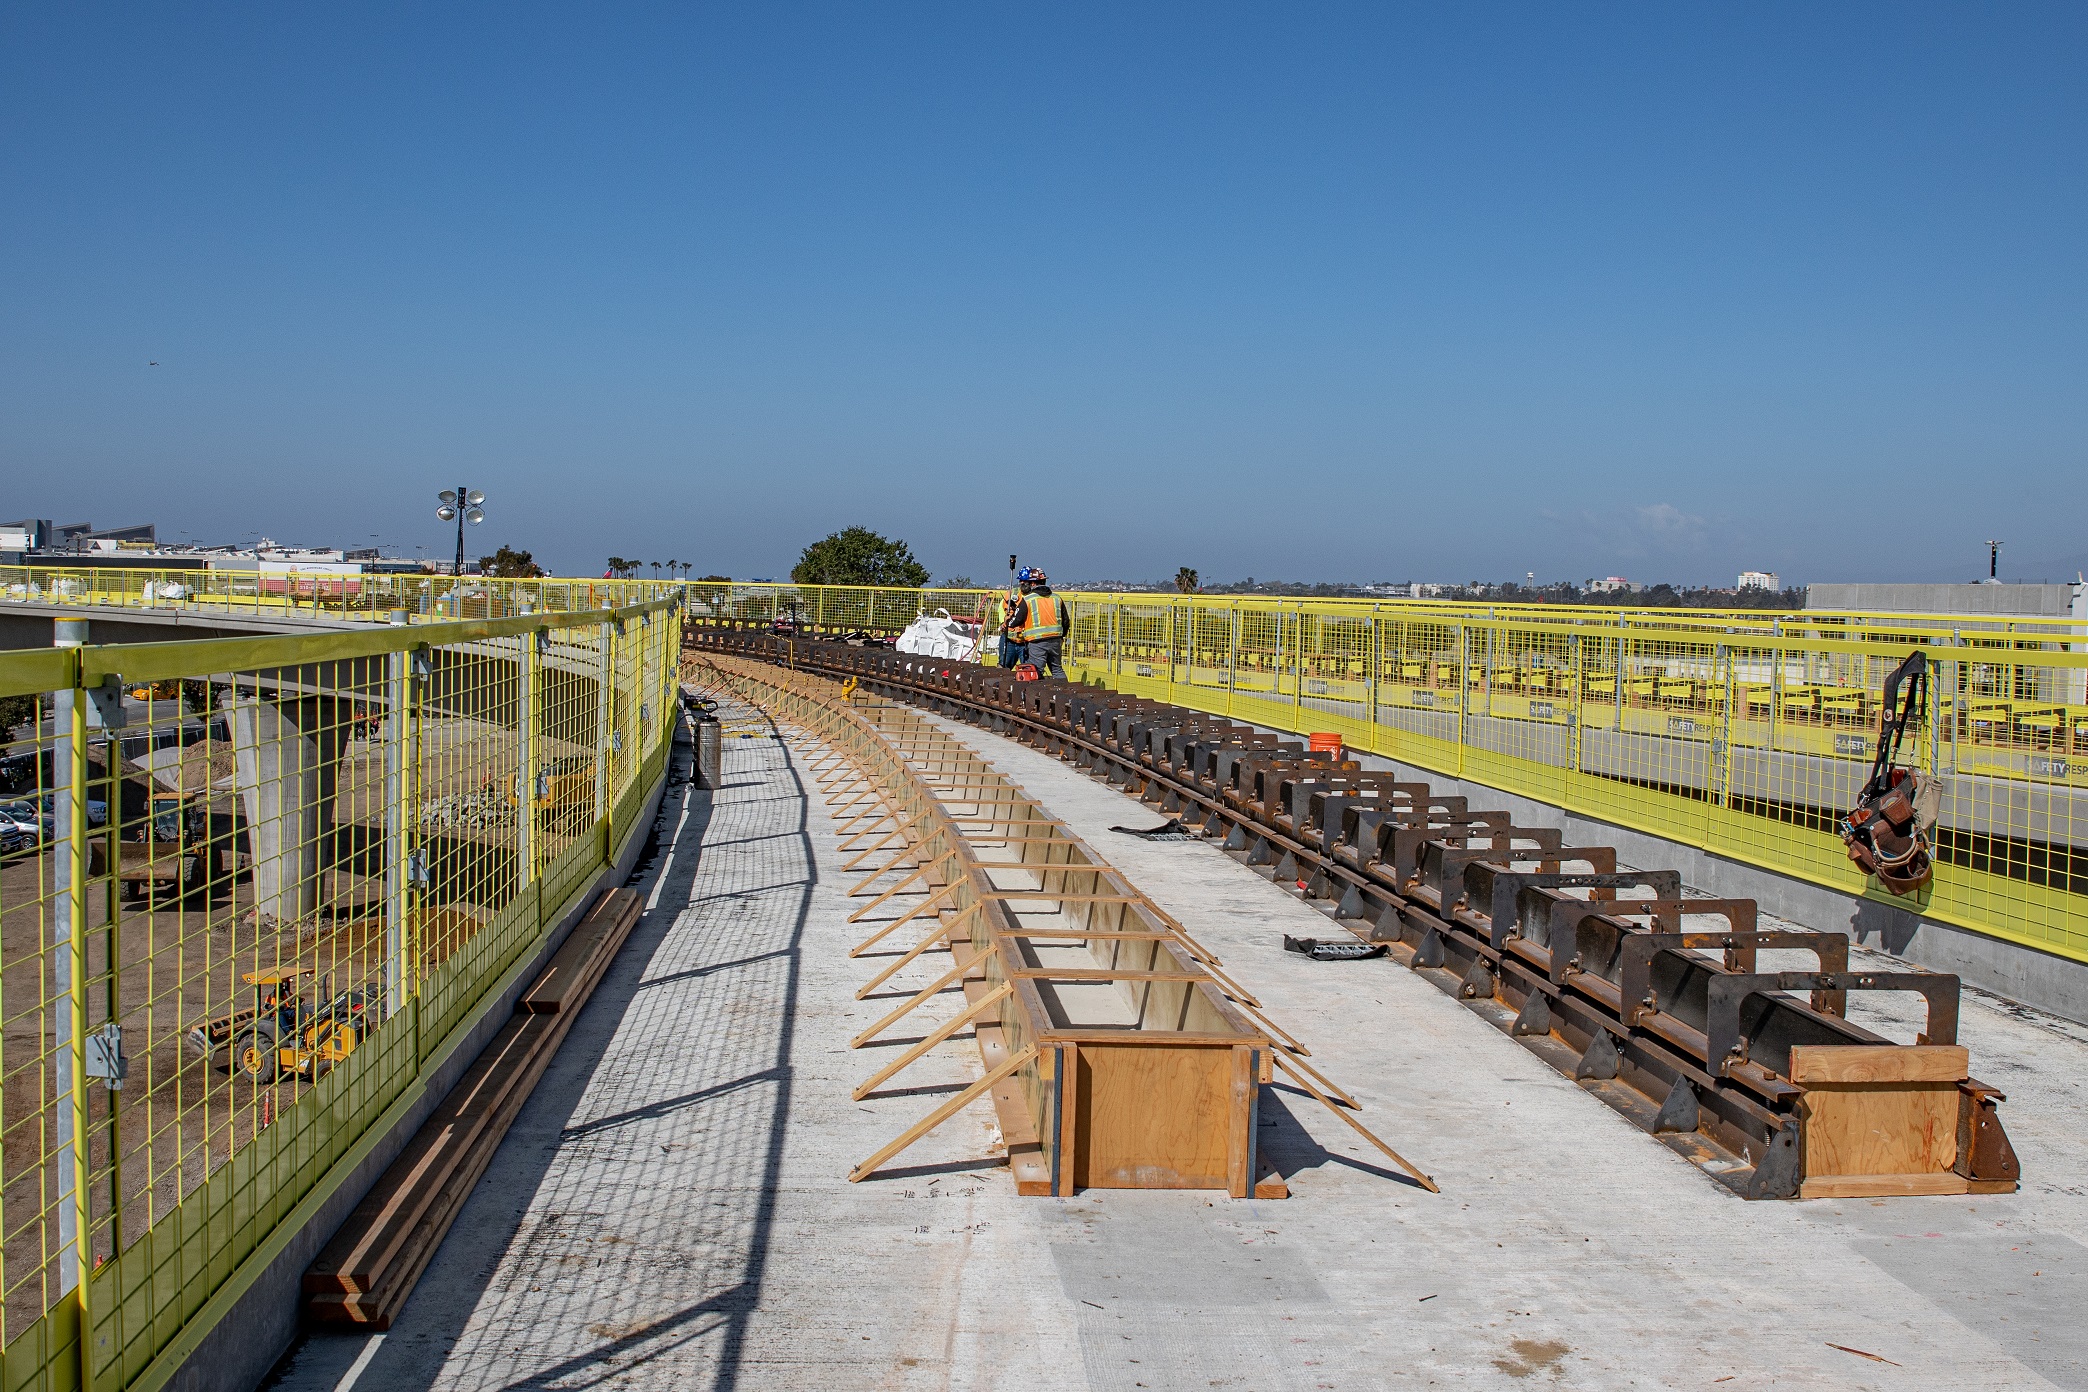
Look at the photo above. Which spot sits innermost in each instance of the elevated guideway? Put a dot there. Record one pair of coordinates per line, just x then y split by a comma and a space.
447, 796
674, 1209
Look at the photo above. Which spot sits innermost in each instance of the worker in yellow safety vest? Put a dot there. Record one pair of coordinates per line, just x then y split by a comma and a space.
1043, 623
1011, 620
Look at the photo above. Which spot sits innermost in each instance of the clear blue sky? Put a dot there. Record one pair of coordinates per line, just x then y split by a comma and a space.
1372, 293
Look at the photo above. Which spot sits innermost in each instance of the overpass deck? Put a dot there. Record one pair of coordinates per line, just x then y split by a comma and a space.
671, 1210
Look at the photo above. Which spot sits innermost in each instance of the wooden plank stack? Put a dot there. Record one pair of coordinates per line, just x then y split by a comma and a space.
363, 1276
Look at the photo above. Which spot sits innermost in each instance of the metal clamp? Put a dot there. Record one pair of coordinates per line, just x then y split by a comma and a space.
105, 1058
1568, 923
105, 705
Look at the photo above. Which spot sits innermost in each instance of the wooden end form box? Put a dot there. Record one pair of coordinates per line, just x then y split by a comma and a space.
1881, 1120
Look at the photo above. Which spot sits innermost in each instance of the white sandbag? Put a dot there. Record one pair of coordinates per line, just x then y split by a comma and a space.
939, 635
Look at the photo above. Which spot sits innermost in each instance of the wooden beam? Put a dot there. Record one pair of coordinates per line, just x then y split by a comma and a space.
885, 841
936, 1036
941, 983
941, 1114
904, 918
924, 869
1289, 1066
1101, 974
941, 930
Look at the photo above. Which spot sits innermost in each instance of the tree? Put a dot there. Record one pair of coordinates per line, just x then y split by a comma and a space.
1185, 580
959, 582
16, 710
715, 580
656, 570
510, 564
859, 556
620, 567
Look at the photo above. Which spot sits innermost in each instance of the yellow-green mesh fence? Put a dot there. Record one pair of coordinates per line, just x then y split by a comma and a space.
1745, 732
274, 876
322, 593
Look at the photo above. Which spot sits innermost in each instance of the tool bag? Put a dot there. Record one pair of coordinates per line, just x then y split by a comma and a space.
1888, 832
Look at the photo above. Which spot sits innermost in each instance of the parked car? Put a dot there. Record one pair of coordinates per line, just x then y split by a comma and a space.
22, 810
97, 812
20, 825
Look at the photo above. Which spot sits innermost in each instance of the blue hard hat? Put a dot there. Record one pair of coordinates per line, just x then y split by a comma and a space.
1027, 574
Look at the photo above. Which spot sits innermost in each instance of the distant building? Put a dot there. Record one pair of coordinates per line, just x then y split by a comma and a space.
1615, 584
31, 535
1759, 580
2063, 601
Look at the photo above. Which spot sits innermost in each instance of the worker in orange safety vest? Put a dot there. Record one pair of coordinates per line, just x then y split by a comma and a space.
1043, 623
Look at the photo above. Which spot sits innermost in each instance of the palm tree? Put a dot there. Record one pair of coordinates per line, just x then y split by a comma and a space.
1185, 580
656, 570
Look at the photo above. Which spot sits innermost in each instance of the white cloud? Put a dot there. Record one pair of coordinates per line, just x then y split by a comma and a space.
1669, 525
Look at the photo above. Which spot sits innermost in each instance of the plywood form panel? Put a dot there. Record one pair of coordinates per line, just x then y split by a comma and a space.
1153, 1116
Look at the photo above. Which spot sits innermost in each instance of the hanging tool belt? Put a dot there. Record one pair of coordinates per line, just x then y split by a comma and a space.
1888, 831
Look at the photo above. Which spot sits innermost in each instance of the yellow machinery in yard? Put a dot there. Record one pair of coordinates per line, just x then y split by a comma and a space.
287, 1032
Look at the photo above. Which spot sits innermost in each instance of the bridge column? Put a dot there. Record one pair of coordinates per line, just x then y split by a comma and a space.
285, 757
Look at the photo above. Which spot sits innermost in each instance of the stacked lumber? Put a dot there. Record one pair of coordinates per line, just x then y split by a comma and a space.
365, 1273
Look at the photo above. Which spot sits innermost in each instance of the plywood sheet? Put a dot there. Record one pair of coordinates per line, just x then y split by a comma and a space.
1880, 1129
1154, 1116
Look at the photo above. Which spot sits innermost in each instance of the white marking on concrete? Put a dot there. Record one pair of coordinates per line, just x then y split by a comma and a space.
362, 1361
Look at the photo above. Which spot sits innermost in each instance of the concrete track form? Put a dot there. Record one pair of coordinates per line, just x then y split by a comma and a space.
673, 1209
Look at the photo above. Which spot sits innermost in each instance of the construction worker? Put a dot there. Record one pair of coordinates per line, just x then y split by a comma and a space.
1010, 620
1043, 624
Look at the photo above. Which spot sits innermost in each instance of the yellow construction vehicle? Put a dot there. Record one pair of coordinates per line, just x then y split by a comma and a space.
287, 1032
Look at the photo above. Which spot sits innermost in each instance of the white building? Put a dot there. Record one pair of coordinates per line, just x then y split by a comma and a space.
1759, 580
1615, 584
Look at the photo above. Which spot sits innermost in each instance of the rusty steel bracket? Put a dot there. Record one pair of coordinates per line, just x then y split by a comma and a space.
1508, 884
1637, 951
1724, 995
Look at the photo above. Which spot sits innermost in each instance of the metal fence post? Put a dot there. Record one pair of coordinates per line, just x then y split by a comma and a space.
68, 968
604, 709
398, 681
1464, 693
1232, 655
527, 666
1374, 655
1722, 752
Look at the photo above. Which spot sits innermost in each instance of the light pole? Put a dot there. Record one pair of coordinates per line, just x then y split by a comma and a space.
461, 505
1993, 559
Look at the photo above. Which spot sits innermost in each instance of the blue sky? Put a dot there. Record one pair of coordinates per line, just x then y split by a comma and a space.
1380, 292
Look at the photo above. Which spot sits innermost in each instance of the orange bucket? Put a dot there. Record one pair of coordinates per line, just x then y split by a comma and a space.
1325, 744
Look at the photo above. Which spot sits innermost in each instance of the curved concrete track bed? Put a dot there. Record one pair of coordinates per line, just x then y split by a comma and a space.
672, 1209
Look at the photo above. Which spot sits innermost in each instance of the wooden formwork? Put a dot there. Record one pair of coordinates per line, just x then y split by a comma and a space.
1118, 1054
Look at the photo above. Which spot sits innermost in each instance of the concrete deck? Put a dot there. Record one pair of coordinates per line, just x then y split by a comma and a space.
671, 1209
